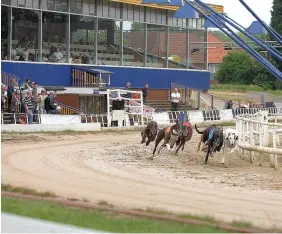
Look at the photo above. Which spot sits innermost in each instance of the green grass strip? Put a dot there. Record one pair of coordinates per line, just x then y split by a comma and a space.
97, 219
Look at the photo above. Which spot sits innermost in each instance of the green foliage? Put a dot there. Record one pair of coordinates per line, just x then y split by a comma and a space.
236, 68
276, 24
240, 68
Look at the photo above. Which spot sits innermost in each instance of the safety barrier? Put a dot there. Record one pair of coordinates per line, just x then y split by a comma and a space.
164, 118
199, 99
256, 134
6, 78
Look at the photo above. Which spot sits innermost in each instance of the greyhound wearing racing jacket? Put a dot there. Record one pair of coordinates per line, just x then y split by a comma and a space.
150, 132
212, 137
170, 136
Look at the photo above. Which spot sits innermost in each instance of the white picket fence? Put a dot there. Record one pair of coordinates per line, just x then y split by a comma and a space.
257, 135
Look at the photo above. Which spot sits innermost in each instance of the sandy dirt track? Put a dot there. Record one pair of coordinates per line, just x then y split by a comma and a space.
114, 167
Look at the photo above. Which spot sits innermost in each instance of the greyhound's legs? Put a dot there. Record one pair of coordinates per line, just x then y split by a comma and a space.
143, 134
181, 144
207, 155
199, 146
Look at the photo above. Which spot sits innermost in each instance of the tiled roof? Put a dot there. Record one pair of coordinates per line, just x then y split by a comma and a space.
215, 55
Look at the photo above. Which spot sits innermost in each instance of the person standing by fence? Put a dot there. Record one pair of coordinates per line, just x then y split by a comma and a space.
175, 98
145, 93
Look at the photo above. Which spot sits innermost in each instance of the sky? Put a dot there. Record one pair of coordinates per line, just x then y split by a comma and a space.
235, 10
239, 13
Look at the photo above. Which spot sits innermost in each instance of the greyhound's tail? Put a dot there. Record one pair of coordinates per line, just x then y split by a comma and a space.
198, 130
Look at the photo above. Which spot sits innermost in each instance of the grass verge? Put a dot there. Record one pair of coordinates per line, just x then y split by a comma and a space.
244, 88
97, 219
27, 191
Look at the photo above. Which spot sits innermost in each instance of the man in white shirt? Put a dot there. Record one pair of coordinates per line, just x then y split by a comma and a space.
175, 98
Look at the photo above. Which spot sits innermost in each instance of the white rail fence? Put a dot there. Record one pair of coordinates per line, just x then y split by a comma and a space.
257, 135
134, 117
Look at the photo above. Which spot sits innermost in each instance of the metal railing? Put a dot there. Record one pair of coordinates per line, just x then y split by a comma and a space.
199, 99
6, 78
83, 78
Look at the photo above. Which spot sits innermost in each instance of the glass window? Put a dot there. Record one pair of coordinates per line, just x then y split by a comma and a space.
197, 52
6, 2
25, 3
213, 68
156, 46
25, 34
55, 5
54, 37
133, 44
82, 39
177, 47
76, 6
4, 32
108, 51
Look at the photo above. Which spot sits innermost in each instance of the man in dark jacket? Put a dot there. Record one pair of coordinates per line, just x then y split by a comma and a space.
49, 104
10, 92
145, 93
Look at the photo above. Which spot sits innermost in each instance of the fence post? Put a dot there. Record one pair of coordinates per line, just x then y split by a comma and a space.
108, 108
199, 100
185, 95
262, 101
212, 101
142, 109
252, 140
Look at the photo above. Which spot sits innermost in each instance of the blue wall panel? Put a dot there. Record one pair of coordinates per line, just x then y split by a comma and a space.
60, 75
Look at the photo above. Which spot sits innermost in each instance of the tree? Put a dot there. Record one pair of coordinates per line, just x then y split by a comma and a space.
236, 68
276, 22
241, 68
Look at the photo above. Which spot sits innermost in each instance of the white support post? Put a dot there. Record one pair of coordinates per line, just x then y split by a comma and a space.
274, 146
142, 109
108, 109
252, 141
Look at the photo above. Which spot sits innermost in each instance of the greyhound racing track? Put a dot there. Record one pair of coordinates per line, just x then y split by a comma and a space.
114, 167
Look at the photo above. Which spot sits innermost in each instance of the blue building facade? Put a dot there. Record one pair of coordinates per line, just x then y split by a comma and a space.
42, 40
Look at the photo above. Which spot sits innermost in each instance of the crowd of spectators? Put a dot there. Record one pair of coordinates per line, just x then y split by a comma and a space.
26, 101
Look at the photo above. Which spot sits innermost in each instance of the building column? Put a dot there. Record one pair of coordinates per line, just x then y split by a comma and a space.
68, 39
10, 33
187, 45
96, 36
145, 45
40, 39
166, 46
166, 41
121, 43
206, 56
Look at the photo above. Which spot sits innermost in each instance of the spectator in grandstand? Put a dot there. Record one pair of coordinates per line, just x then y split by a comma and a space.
175, 98
16, 100
145, 93
41, 100
34, 96
127, 87
50, 105
230, 104
57, 56
22, 119
11, 89
26, 85
34, 100
28, 106
3, 96
25, 54
127, 95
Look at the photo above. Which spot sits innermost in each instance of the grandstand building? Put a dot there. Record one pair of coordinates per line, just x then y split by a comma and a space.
46, 40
